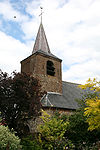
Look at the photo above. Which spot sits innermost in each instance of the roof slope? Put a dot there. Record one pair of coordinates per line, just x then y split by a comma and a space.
47, 54
67, 100
41, 41
41, 44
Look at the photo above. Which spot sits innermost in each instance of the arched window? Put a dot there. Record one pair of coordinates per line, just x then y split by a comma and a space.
50, 68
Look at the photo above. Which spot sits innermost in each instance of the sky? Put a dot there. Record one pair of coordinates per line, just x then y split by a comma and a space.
72, 29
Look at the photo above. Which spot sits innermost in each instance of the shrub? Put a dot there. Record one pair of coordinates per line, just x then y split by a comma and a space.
8, 139
51, 133
28, 143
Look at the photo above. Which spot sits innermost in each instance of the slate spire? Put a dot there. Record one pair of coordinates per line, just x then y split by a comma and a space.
41, 41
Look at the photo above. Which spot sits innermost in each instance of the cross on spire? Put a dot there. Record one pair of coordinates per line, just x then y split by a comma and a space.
41, 13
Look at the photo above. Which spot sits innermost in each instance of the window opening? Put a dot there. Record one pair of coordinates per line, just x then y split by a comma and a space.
50, 68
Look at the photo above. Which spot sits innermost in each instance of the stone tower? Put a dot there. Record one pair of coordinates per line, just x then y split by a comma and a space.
42, 64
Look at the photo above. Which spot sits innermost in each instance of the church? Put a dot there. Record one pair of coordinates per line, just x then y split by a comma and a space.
46, 67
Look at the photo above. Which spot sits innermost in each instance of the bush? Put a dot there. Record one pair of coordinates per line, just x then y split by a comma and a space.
8, 139
28, 143
51, 133
78, 132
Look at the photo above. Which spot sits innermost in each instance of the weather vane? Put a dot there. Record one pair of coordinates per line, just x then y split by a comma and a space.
41, 13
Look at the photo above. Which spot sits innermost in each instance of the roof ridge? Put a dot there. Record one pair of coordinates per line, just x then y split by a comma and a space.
54, 93
71, 82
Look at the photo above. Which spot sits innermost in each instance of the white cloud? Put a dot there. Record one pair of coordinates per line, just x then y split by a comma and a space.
9, 12
12, 51
79, 73
72, 29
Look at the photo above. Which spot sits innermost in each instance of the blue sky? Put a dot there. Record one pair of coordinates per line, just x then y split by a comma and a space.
72, 28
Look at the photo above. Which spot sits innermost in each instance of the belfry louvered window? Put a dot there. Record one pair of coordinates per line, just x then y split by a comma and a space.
50, 68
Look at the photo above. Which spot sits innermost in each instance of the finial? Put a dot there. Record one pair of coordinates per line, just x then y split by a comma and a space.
41, 13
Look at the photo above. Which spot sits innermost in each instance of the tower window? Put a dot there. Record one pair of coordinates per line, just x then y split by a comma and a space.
50, 68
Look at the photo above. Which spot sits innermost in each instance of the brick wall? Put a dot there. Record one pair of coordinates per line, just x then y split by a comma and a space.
35, 65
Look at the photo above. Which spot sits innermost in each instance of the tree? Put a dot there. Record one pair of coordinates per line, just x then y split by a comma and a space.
19, 99
79, 128
92, 109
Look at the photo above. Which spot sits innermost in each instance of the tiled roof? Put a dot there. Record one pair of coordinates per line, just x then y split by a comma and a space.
41, 42
67, 100
47, 54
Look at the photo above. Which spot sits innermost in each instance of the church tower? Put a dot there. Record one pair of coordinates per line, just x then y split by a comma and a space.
42, 64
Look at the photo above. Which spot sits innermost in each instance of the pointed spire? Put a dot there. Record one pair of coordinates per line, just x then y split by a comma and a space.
41, 41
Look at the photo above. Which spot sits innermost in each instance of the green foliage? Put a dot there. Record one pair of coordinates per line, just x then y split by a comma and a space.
28, 143
83, 124
78, 132
8, 139
51, 133
92, 112
92, 109
19, 100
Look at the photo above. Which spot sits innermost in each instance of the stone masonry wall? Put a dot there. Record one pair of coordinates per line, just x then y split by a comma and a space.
35, 65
